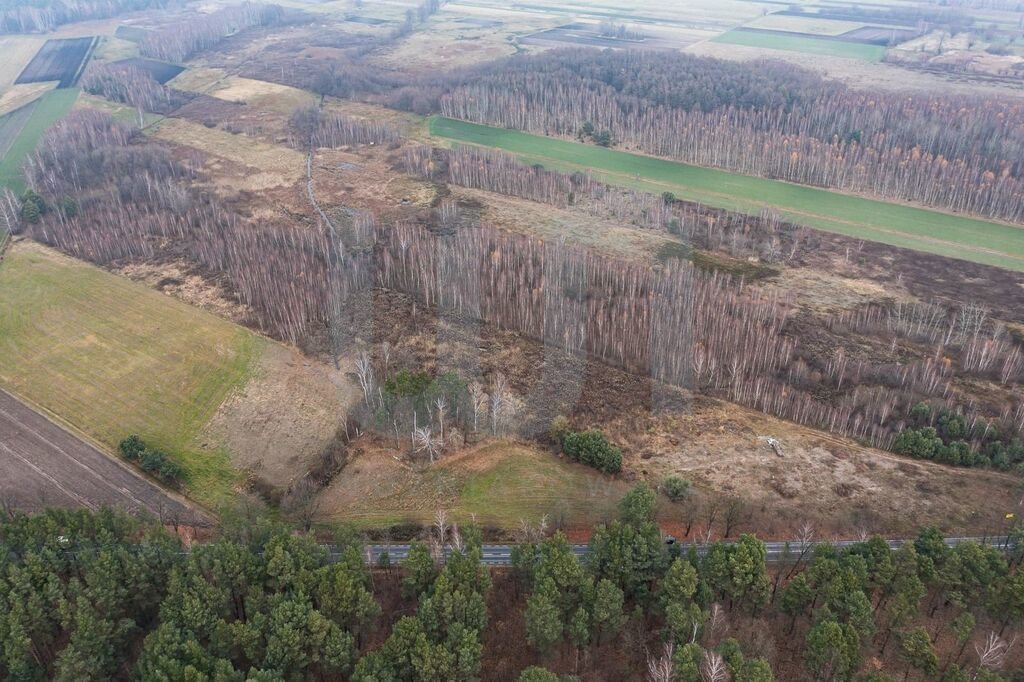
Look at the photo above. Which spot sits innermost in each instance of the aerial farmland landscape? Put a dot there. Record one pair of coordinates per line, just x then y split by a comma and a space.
426, 340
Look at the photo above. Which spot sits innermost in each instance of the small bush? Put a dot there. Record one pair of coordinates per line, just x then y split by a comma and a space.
152, 460
676, 488
132, 448
559, 427
593, 449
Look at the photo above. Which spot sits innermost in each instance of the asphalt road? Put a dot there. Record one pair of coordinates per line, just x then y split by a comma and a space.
44, 465
501, 555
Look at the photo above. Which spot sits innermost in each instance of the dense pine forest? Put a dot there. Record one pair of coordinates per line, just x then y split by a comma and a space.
99, 595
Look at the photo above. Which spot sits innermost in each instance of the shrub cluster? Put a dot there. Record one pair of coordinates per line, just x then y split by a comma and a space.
593, 449
676, 488
152, 460
945, 436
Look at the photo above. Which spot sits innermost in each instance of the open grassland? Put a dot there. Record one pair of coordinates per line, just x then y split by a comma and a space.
17, 52
111, 357
121, 112
806, 24
499, 484
18, 96
265, 165
47, 110
804, 44
945, 234
262, 95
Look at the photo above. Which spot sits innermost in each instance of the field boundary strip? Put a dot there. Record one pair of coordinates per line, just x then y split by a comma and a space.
888, 222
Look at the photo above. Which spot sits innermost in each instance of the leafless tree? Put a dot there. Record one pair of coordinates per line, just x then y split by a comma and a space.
302, 503
805, 542
364, 371
717, 622
480, 400
425, 441
992, 652
713, 668
499, 401
660, 668
441, 408
735, 514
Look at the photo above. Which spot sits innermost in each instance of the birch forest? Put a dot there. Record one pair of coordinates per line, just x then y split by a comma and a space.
705, 331
954, 152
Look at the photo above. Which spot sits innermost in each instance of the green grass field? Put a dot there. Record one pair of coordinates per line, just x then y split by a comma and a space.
805, 44
945, 234
112, 357
49, 109
499, 485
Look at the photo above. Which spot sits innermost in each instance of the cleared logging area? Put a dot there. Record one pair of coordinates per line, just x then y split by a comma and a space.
59, 60
112, 358
895, 224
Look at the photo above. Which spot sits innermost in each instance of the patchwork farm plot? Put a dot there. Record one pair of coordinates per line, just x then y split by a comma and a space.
833, 46
592, 35
134, 34
945, 234
59, 60
21, 130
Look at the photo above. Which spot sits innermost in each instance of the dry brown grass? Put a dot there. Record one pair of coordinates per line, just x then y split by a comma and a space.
260, 94
547, 222
826, 292
264, 165
722, 448
198, 79
276, 425
18, 96
17, 52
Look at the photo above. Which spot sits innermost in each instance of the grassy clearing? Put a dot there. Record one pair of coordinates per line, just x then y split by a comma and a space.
121, 112
275, 164
805, 24
499, 484
112, 357
947, 234
18, 96
262, 95
49, 109
804, 44
17, 51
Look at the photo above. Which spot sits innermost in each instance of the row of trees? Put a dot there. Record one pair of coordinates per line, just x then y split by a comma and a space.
954, 152
40, 16
313, 127
675, 324
178, 41
129, 84
766, 236
99, 595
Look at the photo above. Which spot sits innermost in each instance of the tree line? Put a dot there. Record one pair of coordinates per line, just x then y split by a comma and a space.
178, 41
101, 595
703, 330
954, 152
40, 16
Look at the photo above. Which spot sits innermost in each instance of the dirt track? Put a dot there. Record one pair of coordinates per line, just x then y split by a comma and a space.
42, 465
